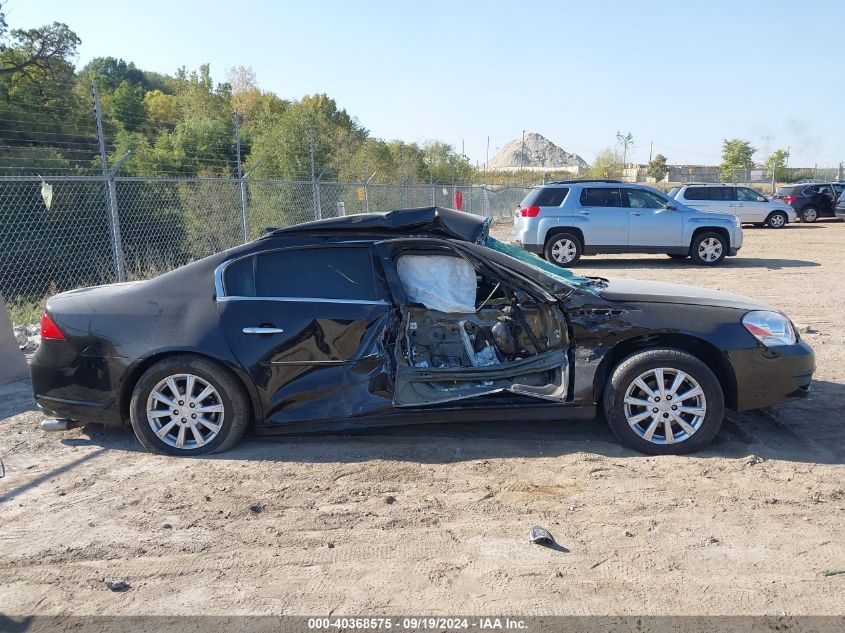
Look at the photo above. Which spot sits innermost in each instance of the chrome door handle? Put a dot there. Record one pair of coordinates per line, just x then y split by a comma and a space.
635, 213
262, 330
584, 212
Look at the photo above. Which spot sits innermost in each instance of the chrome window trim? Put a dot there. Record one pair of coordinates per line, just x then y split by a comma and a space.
365, 302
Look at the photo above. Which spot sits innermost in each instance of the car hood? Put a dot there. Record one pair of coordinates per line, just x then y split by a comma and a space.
658, 292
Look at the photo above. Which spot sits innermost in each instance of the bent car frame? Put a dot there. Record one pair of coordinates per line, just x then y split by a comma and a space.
412, 316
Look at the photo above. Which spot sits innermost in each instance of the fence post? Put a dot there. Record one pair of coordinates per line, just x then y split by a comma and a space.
315, 184
236, 120
111, 190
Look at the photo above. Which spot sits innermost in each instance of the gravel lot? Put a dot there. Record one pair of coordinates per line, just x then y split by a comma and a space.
435, 519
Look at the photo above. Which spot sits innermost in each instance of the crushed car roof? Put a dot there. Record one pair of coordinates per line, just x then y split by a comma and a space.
421, 221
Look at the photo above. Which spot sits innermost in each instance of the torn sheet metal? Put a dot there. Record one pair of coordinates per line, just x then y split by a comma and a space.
439, 282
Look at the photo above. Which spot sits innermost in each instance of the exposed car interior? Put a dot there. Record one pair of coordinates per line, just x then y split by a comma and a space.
460, 318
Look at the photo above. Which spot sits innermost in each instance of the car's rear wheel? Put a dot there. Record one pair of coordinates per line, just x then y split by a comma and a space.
809, 214
709, 248
188, 405
664, 402
563, 249
777, 220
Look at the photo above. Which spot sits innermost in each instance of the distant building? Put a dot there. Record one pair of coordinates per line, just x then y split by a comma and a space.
638, 172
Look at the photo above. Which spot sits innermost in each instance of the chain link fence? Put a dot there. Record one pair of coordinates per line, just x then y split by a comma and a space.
102, 230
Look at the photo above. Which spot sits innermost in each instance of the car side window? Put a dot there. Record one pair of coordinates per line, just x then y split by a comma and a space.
641, 199
697, 193
823, 189
600, 197
723, 194
807, 191
336, 272
744, 194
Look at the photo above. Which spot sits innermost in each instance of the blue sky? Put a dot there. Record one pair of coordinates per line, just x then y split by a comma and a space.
681, 74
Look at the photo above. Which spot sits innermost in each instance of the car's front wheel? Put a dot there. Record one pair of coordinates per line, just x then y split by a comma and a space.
809, 214
664, 402
709, 248
188, 405
563, 249
777, 220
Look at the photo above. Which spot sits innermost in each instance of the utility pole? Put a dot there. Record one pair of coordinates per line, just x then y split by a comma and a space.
650, 150
487, 159
111, 189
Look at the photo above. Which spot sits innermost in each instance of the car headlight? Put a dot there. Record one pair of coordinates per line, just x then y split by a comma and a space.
770, 328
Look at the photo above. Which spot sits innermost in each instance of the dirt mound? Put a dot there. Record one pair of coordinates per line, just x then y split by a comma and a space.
539, 153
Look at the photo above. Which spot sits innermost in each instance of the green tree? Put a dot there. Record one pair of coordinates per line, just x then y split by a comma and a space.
607, 164
657, 168
127, 105
736, 154
776, 164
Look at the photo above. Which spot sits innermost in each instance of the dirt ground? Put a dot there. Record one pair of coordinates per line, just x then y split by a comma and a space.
435, 519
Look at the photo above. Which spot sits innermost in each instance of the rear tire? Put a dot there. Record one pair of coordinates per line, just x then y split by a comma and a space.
809, 214
188, 405
777, 220
644, 428
709, 248
563, 249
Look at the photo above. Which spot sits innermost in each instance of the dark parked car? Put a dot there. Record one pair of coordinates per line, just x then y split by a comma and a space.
811, 201
411, 316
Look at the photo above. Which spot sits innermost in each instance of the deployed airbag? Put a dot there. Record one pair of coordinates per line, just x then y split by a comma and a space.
439, 282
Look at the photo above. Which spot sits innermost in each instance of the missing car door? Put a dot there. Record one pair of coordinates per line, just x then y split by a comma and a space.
467, 330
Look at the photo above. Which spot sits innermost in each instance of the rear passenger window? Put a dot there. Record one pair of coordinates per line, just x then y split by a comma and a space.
600, 197
239, 280
546, 197
338, 272
723, 193
697, 193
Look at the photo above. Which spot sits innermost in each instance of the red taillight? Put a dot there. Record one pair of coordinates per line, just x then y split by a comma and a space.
789, 199
49, 329
529, 212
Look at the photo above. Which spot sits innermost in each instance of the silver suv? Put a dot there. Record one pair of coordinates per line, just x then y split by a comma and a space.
563, 220
749, 206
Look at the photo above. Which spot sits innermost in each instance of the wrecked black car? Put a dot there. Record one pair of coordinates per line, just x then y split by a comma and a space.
411, 316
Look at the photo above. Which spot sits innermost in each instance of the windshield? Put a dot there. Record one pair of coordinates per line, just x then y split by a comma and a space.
785, 191
673, 192
544, 272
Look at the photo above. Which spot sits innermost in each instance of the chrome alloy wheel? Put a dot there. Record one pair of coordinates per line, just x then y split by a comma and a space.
564, 251
185, 411
665, 405
710, 249
777, 220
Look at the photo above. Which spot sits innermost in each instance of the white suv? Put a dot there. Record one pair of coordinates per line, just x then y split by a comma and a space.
751, 207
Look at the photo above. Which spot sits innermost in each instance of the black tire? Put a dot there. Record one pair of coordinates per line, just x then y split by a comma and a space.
809, 214
236, 408
698, 258
562, 239
633, 366
777, 220
678, 255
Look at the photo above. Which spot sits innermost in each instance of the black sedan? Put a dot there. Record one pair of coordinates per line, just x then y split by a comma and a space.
411, 316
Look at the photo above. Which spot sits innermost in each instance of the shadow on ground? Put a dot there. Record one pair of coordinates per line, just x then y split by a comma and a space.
805, 431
